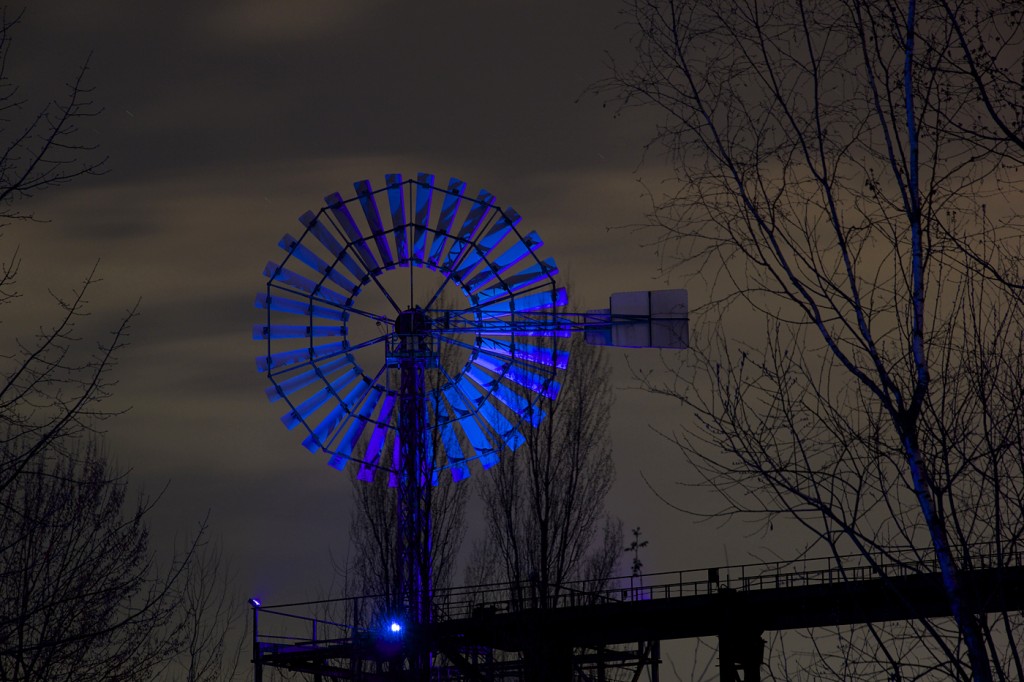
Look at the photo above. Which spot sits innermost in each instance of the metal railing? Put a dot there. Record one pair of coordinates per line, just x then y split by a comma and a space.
463, 601
329, 621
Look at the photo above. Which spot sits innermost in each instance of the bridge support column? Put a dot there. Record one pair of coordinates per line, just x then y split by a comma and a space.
740, 655
548, 662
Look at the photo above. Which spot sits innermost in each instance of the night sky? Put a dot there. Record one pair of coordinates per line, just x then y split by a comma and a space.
226, 121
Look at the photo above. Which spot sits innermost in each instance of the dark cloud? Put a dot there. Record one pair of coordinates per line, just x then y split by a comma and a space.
192, 87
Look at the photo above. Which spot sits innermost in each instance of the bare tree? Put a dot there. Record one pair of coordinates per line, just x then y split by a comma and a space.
52, 384
43, 148
373, 530
544, 505
83, 596
80, 594
844, 170
211, 613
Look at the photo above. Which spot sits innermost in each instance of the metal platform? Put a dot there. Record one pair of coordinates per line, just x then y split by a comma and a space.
585, 630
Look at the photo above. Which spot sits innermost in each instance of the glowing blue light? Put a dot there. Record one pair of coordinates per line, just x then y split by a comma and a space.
256, 603
395, 627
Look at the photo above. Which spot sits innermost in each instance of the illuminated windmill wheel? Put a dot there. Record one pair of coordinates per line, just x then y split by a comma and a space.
414, 329
418, 346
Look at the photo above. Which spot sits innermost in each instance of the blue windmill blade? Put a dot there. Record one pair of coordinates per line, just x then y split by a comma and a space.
471, 257
282, 276
328, 429
377, 440
510, 218
466, 417
538, 273
300, 356
360, 401
507, 352
518, 404
302, 411
315, 441
312, 223
323, 235
353, 267
368, 201
262, 332
282, 304
399, 222
505, 224
339, 209
491, 414
358, 423
449, 441
320, 372
482, 206
292, 246
516, 351
506, 261
531, 381
424, 197
283, 361
452, 200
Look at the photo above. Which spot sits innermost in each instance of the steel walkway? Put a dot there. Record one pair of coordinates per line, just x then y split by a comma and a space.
547, 632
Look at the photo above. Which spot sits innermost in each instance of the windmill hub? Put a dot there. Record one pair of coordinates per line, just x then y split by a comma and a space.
413, 339
412, 322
